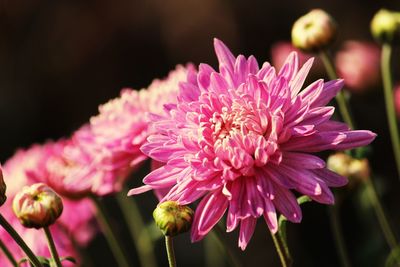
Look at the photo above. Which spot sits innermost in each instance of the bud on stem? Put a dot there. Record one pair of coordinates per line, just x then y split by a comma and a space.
314, 31
37, 206
173, 219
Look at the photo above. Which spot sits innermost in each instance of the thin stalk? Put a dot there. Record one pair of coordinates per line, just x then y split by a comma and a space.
137, 229
338, 236
10, 230
390, 109
214, 251
169, 245
52, 247
380, 214
340, 97
8, 254
231, 256
113, 242
282, 250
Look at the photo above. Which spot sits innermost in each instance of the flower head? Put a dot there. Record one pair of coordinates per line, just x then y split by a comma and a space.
37, 206
241, 138
385, 26
122, 126
358, 64
314, 31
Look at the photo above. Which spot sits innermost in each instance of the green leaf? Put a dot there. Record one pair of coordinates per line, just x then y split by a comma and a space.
393, 260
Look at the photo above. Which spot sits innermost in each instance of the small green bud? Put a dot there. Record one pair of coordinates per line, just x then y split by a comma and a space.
385, 26
173, 219
37, 206
314, 31
3, 188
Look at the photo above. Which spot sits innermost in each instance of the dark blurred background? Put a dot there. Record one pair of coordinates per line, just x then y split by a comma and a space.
60, 59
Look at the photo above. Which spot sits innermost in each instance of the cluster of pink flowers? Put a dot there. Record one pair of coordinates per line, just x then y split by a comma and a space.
240, 140
31, 166
95, 160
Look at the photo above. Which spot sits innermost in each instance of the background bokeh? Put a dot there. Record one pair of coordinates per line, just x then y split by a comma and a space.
60, 59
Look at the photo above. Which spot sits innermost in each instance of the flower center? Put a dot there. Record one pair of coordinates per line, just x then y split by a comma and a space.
223, 124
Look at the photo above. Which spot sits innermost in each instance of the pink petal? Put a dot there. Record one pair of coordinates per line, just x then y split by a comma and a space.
303, 160
286, 203
330, 140
139, 190
164, 176
298, 81
270, 216
247, 227
209, 211
330, 178
289, 68
224, 55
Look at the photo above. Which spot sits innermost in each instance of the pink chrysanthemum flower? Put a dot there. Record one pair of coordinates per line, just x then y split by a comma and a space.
76, 224
241, 139
122, 125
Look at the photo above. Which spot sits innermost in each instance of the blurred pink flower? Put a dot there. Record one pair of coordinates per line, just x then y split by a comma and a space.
397, 99
76, 224
241, 139
122, 126
358, 63
281, 50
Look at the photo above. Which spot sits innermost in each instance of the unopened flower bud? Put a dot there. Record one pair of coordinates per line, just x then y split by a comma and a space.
359, 169
3, 188
339, 163
172, 218
314, 31
385, 26
37, 206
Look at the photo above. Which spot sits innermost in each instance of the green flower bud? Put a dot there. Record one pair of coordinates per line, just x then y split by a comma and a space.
3, 188
314, 31
385, 26
37, 206
173, 219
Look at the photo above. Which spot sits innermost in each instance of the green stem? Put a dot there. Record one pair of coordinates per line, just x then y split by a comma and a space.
138, 230
20, 242
384, 223
8, 254
52, 247
220, 235
113, 242
390, 108
282, 250
214, 252
340, 97
170, 251
338, 236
